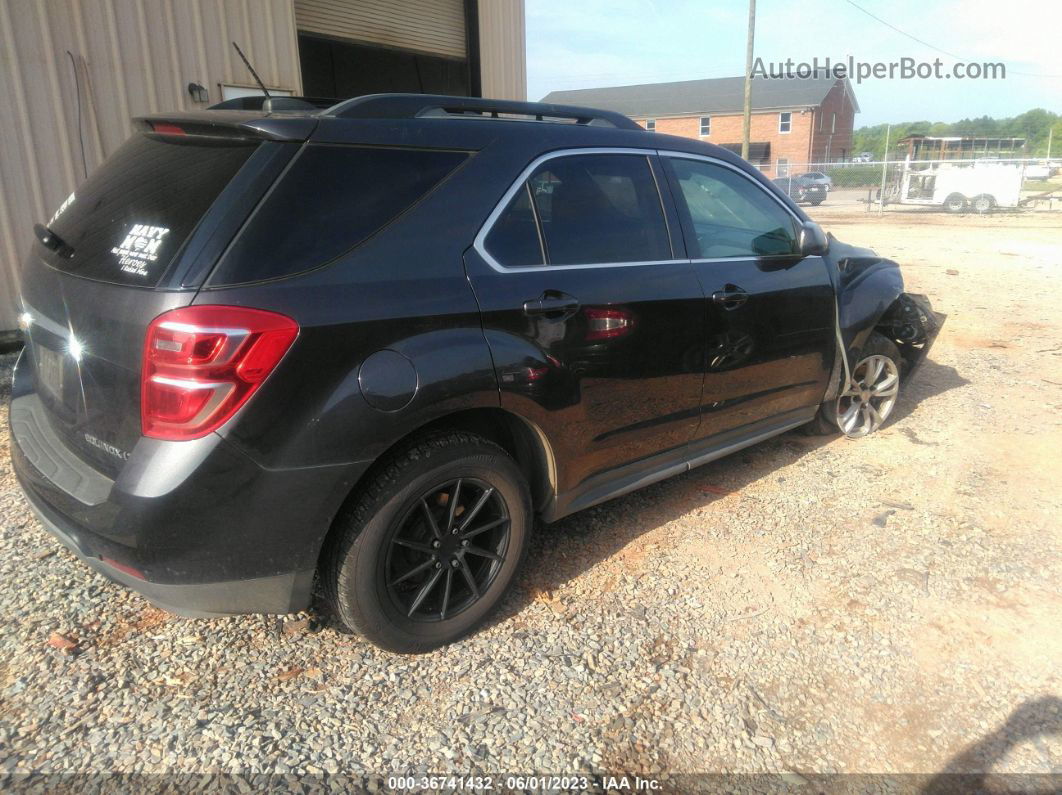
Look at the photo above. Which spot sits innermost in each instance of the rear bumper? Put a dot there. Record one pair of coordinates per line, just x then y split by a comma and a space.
196, 527
281, 593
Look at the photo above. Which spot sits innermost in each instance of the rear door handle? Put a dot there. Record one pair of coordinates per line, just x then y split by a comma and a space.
730, 297
551, 303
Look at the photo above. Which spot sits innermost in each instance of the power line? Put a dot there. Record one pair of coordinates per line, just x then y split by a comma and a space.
904, 33
927, 44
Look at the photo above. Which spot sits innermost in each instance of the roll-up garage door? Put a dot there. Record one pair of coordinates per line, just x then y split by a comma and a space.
429, 26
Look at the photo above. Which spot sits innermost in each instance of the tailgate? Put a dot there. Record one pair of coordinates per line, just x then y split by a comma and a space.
131, 242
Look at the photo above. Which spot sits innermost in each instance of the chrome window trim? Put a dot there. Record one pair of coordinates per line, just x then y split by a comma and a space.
479, 244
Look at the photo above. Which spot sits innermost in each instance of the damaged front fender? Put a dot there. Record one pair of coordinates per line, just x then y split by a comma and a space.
867, 285
870, 298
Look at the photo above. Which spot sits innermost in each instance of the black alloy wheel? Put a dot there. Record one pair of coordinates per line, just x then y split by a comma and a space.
429, 546
448, 548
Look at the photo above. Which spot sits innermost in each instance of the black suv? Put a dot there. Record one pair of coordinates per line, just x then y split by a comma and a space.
356, 352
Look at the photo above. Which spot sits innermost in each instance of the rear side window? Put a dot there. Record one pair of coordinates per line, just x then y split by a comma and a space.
514, 238
599, 209
331, 199
125, 223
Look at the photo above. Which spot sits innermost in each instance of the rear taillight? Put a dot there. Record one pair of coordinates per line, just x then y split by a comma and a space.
201, 363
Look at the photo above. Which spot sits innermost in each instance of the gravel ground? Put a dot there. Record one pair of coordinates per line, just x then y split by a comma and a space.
811, 605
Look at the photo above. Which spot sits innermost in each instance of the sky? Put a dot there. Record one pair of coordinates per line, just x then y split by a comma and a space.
593, 43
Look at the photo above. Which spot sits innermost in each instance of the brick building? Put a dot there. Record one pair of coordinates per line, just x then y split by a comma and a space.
794, 122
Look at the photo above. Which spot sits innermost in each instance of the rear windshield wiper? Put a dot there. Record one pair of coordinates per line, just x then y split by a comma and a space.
52, 241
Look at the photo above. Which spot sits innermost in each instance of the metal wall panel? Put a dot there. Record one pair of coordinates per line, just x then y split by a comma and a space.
130, 57
431, 26
502, 49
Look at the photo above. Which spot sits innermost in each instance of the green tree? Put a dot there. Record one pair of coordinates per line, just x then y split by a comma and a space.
1033, 125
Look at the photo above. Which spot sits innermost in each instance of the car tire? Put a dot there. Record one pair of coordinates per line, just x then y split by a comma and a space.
408, 520
983, 204
955, 203
817, 202
828, 418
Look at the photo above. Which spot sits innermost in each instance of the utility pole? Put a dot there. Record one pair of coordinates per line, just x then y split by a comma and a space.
1050, 134
747, 125
884, 164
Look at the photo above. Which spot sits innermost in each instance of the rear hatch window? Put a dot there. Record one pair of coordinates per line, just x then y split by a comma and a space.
127, 221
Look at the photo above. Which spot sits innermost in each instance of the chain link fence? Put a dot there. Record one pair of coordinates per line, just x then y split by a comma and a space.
956, 186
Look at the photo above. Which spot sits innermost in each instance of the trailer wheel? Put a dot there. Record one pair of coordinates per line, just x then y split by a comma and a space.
983, 203
955, 203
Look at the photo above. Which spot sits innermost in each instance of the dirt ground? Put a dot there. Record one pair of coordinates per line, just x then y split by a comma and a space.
809, 605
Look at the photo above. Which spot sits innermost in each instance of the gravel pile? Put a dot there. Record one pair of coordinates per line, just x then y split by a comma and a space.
808, 605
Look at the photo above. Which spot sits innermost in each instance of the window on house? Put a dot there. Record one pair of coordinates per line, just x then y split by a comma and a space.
785, 122
706, 125
650, 125
783, 167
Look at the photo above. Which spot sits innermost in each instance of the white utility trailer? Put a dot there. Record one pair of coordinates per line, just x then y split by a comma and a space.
979, 186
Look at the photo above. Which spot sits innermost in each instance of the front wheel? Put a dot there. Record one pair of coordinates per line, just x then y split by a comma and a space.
983, 204
432, 545
870, 398
816, 202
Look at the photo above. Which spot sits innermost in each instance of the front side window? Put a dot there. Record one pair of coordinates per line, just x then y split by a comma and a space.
785, 122
583, 210
706, 125
730, 216
650, 125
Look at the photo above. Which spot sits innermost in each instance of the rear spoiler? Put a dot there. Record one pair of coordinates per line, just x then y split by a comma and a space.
270, 104
232, 124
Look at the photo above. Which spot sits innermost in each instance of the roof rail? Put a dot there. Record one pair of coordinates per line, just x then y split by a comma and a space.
410, 106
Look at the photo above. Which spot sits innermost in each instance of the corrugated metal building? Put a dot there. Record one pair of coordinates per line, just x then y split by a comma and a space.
73, 73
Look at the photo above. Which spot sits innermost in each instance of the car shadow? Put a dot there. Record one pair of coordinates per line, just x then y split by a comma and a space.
562, 551
971, 770
929, 380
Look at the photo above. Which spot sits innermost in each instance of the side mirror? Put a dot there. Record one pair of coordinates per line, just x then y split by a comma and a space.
813, 241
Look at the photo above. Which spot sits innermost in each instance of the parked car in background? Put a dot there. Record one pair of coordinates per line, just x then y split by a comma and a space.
863, 157
819, 178
802, 189
361, 350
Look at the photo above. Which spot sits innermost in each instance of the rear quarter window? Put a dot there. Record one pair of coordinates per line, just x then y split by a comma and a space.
330, 199
126, 222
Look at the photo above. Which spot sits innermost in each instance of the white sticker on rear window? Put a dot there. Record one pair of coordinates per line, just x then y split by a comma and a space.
140, 248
